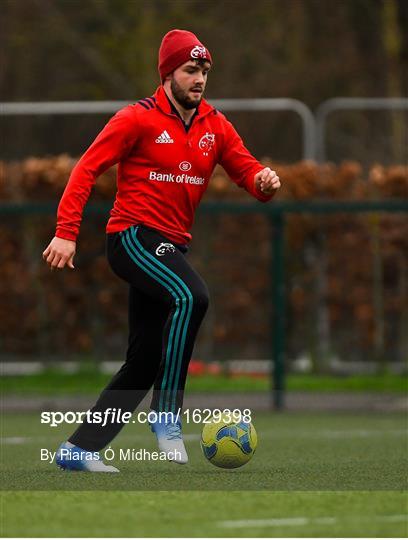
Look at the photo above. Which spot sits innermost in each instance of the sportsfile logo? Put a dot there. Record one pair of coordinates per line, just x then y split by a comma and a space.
164, 138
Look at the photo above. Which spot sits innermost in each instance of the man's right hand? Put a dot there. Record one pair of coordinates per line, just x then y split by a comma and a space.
59, 253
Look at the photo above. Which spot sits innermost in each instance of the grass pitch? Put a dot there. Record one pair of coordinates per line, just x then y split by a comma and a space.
89, 380
312, 475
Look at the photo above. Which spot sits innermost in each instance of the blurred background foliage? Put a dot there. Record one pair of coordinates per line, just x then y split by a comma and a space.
107, 49
346, 276
310, 50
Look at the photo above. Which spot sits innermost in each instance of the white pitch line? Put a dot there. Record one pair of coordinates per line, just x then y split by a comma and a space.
14, 440
396, 517
300, 521
334, 434
27, 440
276, 522
362, 433
192, 437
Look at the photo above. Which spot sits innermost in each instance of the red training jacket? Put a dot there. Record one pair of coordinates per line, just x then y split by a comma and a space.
163, 170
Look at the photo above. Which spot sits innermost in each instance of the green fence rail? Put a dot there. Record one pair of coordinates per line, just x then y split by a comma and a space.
276, 212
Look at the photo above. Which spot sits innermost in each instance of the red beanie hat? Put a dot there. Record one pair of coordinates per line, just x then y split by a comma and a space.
178, 47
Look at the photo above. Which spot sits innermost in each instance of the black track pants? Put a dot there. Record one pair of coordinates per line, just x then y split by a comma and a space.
167, 303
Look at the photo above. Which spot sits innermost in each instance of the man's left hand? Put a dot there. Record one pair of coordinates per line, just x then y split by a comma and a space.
267, 181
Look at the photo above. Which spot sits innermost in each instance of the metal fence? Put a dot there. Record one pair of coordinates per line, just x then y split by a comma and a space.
279, 267
331, 106
314, 126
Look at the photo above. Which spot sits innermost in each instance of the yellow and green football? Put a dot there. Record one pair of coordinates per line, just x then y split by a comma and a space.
228, 444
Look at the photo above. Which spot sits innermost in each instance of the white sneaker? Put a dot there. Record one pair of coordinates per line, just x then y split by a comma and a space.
170, 439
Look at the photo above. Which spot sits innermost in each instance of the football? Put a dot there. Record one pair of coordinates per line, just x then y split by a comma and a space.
228, 444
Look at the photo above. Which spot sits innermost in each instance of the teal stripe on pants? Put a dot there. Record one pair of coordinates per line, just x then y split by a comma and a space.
173, 361
175, 367
174, 291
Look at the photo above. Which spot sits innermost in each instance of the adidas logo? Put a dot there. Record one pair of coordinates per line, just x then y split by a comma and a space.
164, 138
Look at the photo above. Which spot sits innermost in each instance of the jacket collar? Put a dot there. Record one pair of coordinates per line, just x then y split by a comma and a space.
163, 103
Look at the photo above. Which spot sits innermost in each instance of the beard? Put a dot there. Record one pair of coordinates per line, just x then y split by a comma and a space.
182, 97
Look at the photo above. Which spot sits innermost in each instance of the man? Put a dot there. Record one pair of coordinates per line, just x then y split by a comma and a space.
167, 146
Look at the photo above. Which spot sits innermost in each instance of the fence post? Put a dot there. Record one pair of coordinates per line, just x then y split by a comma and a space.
278, 310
